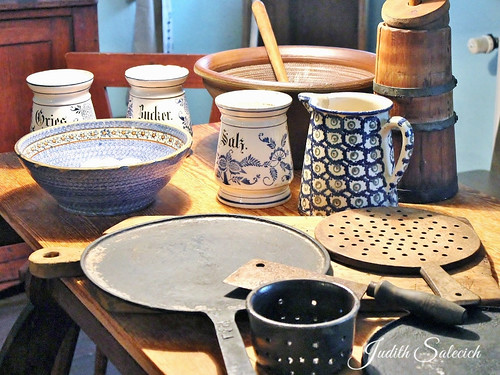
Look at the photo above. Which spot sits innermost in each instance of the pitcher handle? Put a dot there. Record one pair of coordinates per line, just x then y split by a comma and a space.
407, 139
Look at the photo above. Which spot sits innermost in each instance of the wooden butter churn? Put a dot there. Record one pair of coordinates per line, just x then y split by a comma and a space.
413, 69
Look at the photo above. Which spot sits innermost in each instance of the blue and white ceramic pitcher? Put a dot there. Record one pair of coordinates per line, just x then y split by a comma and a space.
349, 156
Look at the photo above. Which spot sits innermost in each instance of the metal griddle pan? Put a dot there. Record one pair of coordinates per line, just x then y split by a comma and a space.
180, 263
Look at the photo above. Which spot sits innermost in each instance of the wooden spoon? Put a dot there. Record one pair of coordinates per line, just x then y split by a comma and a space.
266, 31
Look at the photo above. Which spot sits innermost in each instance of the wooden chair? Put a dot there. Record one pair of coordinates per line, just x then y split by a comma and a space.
109, 71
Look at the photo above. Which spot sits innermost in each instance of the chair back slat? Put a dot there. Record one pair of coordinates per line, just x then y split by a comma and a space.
109, 71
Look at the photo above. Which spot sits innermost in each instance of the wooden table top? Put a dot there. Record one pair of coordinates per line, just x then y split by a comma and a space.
185, 343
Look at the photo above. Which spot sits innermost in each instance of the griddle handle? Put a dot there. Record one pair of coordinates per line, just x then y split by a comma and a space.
55, 262
231, 343
421, 304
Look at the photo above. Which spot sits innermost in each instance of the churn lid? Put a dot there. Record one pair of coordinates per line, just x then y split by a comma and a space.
416, 14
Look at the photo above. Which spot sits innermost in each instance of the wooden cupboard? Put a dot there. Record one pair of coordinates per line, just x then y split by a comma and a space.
34, 36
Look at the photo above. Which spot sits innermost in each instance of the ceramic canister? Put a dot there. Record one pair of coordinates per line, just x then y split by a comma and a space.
156, 94
60, 96
253, 164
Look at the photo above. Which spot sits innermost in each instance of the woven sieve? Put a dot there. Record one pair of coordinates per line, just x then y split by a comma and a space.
311, 73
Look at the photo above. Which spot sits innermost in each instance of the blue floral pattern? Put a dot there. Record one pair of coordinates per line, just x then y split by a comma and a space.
232, 171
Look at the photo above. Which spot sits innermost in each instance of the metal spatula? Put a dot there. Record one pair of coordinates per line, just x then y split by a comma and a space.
425, 305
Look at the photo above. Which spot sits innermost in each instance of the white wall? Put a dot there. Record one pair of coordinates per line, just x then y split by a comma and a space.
199, 26
474, 96
206, 26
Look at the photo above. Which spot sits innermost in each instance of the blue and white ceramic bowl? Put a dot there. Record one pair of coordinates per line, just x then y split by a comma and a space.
104, 167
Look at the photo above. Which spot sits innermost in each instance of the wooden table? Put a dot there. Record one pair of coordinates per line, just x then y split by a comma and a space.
185, 343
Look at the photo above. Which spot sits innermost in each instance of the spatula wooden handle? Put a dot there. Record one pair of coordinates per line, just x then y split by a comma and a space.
423, 305
266, 31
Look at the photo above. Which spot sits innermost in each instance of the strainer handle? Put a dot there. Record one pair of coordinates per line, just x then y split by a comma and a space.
231, 343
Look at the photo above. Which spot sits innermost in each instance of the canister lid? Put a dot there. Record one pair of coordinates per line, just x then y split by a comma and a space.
60, 81
253, 100
156, 75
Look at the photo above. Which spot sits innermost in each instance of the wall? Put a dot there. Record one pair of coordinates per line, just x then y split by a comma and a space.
474, 96
198, 27
206, 26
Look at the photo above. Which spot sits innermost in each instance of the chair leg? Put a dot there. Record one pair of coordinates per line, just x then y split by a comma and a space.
101, 362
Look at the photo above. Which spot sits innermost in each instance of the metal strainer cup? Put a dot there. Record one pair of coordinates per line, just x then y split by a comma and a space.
302, 326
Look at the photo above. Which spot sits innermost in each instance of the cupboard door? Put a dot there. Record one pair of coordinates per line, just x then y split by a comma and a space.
27, 46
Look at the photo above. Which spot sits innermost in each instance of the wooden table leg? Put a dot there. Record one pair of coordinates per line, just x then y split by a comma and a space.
42, 339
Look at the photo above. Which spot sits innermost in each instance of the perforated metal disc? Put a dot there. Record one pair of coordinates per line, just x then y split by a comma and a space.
396, 239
